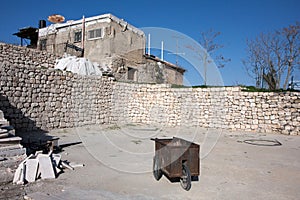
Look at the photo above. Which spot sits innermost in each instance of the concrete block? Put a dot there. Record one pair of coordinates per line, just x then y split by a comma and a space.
20, 174
17, 174
46, 167
31, 169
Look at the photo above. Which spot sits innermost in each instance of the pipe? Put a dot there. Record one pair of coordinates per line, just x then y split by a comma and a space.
83, 32
149, 42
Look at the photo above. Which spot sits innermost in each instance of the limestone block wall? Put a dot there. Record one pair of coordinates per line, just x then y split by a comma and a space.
35, 98
23, 56
226, 107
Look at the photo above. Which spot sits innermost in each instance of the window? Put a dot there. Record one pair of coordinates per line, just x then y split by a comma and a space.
96, 33
43, 44
77, 36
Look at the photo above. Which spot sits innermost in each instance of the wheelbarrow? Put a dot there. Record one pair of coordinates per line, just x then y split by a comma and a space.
176, 158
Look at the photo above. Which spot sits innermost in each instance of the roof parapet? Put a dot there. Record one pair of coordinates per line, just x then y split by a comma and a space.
105, 17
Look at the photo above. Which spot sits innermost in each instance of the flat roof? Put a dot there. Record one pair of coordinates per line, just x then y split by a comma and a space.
27, 32
90, 19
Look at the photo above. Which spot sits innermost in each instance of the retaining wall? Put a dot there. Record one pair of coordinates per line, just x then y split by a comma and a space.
34, 96
219, 107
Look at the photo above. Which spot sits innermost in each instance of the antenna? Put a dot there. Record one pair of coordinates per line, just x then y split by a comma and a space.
162, 50
177, 47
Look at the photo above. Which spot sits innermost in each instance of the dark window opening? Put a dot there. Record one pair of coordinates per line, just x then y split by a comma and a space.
131, 74
77, 36
43, 44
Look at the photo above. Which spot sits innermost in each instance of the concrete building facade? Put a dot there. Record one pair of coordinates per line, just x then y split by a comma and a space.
111, 42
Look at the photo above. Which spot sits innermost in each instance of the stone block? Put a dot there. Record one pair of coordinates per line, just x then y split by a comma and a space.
31, 169
45, 166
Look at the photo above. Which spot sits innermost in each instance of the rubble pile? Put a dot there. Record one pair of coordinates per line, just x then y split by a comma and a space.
40, 165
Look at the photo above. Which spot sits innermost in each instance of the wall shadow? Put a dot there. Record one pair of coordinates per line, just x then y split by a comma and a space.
24, 126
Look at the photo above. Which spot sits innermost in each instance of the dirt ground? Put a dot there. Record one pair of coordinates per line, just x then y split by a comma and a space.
118, 165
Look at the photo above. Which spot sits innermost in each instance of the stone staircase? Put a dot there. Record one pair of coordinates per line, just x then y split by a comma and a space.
11, 151
3, 121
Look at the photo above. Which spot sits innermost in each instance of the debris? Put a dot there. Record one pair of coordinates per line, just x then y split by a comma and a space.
31, 170
75, 165
19, 174
41, 163
57, 158
66, 165
46, 166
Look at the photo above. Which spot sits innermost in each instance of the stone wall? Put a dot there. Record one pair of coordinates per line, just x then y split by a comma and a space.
36, 98
23, 56
226, 107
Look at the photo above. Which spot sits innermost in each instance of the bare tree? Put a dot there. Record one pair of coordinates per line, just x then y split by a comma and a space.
208, 42
272, 57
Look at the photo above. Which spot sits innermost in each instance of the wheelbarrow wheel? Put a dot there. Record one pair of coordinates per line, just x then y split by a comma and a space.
186, 179
156, 168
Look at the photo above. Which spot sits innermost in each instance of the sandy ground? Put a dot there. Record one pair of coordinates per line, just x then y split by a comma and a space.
118, 165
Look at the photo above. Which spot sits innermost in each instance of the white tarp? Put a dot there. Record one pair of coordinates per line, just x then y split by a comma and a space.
77, 65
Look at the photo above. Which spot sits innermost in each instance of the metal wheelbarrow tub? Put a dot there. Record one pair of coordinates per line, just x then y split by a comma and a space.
176, 158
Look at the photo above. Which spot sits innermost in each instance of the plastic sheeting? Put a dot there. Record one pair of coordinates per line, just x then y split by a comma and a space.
77, 65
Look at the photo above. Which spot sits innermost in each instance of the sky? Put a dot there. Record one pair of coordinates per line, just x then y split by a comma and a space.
237, 20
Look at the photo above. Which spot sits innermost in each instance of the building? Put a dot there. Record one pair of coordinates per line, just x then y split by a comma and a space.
111, 42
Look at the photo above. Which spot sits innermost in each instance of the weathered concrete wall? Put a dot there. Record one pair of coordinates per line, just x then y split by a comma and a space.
228, 108
37, 98
121, 47
118, 38
149, 72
